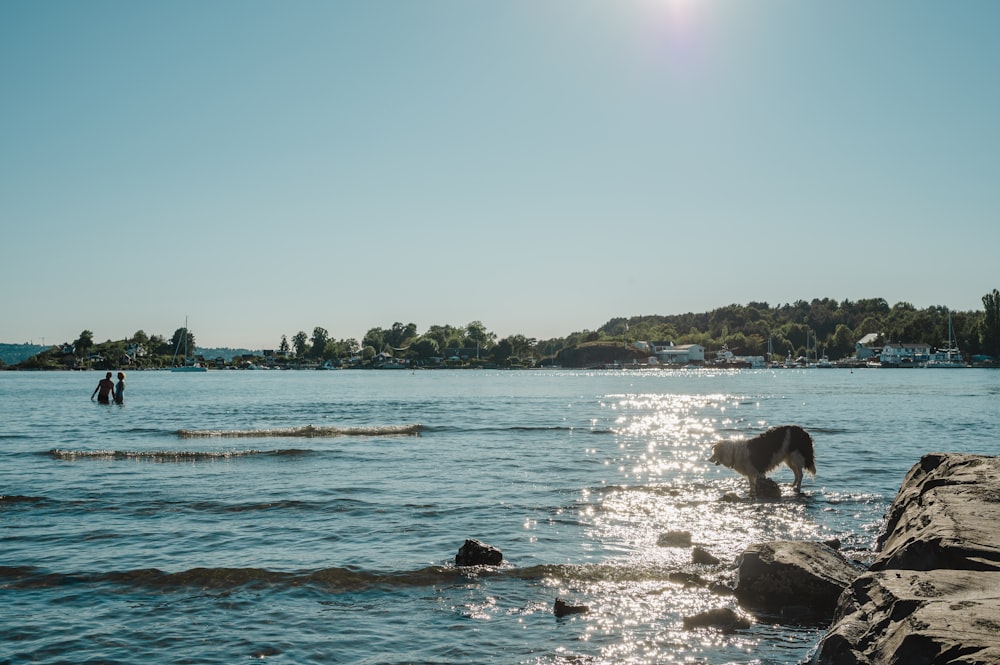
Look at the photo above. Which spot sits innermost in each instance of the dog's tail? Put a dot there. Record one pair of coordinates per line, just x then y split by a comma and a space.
804, 444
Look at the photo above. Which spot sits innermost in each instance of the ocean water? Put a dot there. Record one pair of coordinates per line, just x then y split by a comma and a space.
313, 517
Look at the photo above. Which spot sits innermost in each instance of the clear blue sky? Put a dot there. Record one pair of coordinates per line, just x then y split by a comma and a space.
541, 166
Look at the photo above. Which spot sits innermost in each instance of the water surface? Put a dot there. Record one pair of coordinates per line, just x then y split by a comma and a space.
126, 541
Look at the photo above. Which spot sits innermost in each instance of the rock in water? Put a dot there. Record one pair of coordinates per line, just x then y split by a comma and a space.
780, 574
562, 608
476, 553
723, 618
703, 556
767, 488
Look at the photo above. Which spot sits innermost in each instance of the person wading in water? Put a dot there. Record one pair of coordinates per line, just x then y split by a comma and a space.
120, 389
104, 390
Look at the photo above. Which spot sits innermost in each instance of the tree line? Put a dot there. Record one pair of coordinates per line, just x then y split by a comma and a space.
822, 326
832, 327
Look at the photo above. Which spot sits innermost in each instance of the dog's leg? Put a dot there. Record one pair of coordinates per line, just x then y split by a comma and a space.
797, 485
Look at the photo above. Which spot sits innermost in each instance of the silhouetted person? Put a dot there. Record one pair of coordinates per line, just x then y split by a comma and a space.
104, 390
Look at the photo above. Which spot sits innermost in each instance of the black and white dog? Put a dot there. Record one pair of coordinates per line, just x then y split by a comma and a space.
755, 457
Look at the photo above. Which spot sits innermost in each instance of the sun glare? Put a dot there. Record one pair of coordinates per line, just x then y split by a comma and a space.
678, 31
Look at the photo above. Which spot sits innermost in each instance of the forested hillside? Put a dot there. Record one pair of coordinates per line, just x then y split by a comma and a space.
832, 326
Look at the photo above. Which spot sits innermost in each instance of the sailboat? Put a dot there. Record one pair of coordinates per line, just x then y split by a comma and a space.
948, 357
189, 365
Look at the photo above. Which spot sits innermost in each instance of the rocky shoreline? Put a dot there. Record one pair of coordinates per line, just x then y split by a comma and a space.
932, 595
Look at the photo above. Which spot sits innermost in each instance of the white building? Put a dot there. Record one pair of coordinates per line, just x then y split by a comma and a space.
668, 353
864, 348
898, 354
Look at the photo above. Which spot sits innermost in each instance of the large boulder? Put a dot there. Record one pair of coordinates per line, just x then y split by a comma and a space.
797, 580
946, 515
933, 594
917, 618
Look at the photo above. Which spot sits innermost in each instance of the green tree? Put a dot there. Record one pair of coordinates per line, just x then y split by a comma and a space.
477, 335
502, 352
375, 338
991, 324
320, 337
84, 343
283, 348
177, 342
446, 336
400, 336
841, 345
300, 341
425, 347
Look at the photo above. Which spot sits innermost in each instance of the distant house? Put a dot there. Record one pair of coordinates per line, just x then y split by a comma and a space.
865, 347
133, 351
386, 360
898, 354
668, 353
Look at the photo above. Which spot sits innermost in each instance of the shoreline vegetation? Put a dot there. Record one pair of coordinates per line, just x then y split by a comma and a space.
797, 333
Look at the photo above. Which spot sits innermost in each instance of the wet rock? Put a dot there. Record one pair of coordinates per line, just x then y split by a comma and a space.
945, 516
775, 575
562, 608
933, 592
702, 556
722, 618
674, 539
767, 488
941, 616
476, 553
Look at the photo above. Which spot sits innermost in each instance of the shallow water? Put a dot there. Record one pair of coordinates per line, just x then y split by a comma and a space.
125, 541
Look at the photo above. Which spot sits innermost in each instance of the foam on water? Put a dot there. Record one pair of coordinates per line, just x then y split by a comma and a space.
304, 431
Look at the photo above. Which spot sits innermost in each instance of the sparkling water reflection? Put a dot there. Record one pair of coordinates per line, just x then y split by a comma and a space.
126, 541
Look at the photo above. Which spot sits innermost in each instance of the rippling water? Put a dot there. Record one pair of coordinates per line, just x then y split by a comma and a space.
313, 517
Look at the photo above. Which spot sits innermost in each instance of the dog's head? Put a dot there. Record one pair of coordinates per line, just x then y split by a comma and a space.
720, 454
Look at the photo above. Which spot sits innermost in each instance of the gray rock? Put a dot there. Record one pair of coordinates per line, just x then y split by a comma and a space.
945, 516
476, 553
722, 618
702, 556
920, 617
779, 574
933, 594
